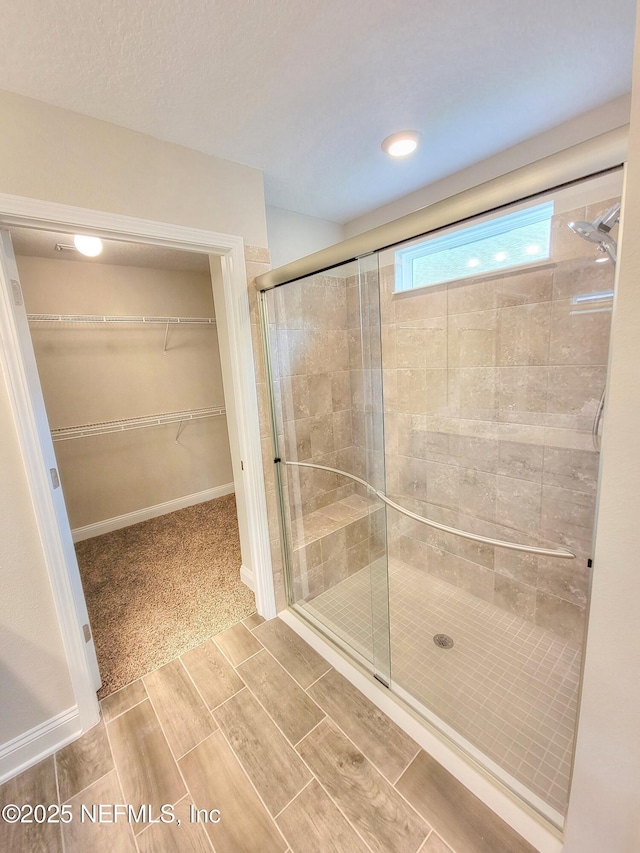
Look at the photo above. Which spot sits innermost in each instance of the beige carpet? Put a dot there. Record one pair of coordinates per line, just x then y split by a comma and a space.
156, 589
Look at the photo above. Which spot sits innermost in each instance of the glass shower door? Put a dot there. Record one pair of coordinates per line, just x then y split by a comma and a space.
326, 376
495, 347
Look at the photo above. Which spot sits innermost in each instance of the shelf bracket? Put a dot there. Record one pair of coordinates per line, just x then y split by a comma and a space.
166, 338
180, 425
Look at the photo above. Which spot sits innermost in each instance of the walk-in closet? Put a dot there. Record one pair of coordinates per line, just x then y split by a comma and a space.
126, 346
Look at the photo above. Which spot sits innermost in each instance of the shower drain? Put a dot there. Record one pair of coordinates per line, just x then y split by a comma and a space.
443, 641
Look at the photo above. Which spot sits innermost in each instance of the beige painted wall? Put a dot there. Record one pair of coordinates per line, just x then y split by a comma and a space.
605, 799
92, 373
295, 235
60, 156
34, 680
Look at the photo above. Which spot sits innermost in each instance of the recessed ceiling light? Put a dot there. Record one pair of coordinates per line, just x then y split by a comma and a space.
533, 250
90, 246
400, 144
473, 262
501, 256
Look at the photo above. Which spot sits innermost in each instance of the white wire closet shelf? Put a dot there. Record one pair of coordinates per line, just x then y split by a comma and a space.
105, 427
105, 318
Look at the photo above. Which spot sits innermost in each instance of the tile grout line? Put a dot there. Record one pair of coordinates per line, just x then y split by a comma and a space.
187, 796
391, 784
370, 760
328, 793
289, 673
225, 654
402, 772
220, 704
135, 705
177, 764
297, 683
317, 679
55, 776
250, 780
176, 758
86, 788
275, 723
119, 780
313, 775
326, 717
295, 797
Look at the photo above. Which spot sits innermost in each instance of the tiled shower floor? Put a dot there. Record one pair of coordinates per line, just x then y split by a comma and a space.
507, 685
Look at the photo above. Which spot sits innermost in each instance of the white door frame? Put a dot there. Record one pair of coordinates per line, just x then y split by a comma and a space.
56, 537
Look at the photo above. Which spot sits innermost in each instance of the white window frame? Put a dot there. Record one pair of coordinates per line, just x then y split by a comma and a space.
468, 235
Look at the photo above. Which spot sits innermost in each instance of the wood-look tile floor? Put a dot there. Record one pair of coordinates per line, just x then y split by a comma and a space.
254, 724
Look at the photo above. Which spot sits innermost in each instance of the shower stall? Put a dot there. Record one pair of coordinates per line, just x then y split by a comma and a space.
436, 411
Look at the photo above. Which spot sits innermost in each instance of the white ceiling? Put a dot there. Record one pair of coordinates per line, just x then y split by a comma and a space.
306, 91
42, 244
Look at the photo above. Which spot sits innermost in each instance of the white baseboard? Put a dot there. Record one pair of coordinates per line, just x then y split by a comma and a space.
247, 577
536, 831
119, 521
27, 749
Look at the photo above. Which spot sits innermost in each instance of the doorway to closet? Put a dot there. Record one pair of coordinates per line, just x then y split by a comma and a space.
127, 353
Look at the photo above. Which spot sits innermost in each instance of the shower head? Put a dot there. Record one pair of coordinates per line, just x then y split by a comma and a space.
598, 232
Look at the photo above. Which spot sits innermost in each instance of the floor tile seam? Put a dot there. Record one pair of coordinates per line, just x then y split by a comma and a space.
186, 796
255, 626
301, 686
377, 769
283, 667
271, 717
119, 780
252, 784
177, 764
86, 787
57, 781
408, 765
286, 739
166, 739
433, 832
226, 654
175, 757
319, 723
313, 683
328, 792
295, 797
206, 704
135, 705
329, 717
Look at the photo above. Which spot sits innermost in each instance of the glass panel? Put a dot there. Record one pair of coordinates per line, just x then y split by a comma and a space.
493, 387
477, 404
324, 334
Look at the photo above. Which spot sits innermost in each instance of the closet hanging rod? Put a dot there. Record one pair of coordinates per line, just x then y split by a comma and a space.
105, 427
105, 318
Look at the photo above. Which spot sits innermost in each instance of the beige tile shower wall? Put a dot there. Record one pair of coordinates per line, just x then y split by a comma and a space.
313, 384
491, 388
92, 373
313, 345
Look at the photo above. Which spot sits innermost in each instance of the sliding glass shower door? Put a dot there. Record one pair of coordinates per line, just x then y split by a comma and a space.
439, 408
326, 371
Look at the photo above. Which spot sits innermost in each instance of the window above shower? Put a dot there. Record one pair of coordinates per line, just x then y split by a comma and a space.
514, 240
